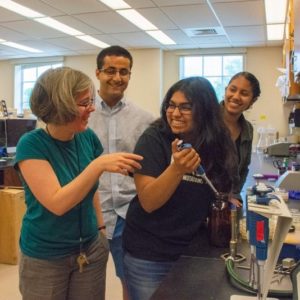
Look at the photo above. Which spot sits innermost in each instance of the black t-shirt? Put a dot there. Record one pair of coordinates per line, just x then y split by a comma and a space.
164, 234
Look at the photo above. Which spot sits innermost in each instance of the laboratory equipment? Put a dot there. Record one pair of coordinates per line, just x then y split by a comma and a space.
278, 149
233, 254
266, 137
200, 171
296, 280
262, 204
290, 180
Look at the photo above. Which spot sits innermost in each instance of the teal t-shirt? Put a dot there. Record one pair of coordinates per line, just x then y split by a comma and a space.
44, 234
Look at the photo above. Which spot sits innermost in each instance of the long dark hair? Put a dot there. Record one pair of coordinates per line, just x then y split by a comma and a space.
210, 136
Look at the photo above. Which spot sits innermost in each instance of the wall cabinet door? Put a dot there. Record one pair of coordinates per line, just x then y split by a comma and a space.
296, 68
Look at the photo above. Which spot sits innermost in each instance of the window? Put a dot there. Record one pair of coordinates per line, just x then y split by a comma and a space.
25, 77
218, 69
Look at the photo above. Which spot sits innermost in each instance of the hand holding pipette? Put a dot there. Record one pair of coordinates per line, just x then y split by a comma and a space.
200, 170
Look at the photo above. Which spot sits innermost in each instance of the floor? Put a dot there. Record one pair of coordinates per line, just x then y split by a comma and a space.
9, 283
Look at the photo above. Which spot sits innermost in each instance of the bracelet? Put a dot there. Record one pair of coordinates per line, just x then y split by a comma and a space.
101, 227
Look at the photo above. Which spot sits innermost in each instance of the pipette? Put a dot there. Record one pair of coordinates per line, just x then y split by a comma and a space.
200, 170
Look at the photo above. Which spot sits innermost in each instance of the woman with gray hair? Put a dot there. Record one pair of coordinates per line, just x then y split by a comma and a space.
63, 247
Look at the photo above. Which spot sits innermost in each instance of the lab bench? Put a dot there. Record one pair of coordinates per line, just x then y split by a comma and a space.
200, 273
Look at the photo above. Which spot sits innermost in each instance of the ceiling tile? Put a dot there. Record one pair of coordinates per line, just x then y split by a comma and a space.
254, 33
158, 18
191, 16
77, 6
41, 7
108, 22
178, 2
34, 29
137, 39
249, 13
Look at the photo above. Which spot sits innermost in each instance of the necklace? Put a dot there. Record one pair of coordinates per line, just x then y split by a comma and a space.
78, 171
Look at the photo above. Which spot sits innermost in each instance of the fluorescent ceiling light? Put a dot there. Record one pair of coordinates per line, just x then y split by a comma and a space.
58, 26
137, 19
161, 37
89, 39
275, 32
115, 4
275, 11
22, 47
20, 9
50, 22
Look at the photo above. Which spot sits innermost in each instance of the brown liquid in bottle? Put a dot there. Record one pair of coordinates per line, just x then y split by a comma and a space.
219, 222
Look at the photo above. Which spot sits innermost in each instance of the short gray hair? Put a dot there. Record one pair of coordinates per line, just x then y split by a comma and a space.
53, 95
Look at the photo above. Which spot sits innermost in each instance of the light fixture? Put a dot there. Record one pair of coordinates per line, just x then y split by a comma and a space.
137, 19
275, 11
21, 47
50, 22
161, 37
276, 17
20, 9
89, 39
115, 4
275, 32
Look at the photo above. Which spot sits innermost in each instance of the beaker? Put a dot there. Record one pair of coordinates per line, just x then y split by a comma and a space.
263, 140
267, 137
219, 221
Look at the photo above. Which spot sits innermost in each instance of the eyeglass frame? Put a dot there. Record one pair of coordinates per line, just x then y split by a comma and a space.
180, 107
115, 71
87, 105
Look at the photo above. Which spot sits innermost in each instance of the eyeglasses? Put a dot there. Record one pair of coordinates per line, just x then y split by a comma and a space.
184, 108
87, 104
113, 71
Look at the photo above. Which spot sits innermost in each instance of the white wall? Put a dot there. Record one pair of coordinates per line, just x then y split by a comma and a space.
263, 63
6, 82
155, 71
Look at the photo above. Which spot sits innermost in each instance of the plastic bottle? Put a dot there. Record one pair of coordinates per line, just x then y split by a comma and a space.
219, 222
263, 141
291, 122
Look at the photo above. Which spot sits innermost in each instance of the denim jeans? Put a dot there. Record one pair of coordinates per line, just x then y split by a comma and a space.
116, 249
143, 277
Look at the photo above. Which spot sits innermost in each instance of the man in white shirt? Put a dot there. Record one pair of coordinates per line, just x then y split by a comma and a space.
118, 123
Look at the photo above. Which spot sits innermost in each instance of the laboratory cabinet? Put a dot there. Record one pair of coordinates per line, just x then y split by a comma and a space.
291, 51
12, 210
296, 59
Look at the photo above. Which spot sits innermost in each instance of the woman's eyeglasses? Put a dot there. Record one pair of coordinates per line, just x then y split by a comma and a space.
87, 104
184, 108
113, 71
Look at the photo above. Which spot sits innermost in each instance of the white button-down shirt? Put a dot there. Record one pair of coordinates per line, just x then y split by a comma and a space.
118, 129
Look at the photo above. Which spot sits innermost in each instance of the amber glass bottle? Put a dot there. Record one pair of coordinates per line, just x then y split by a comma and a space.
219, 222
